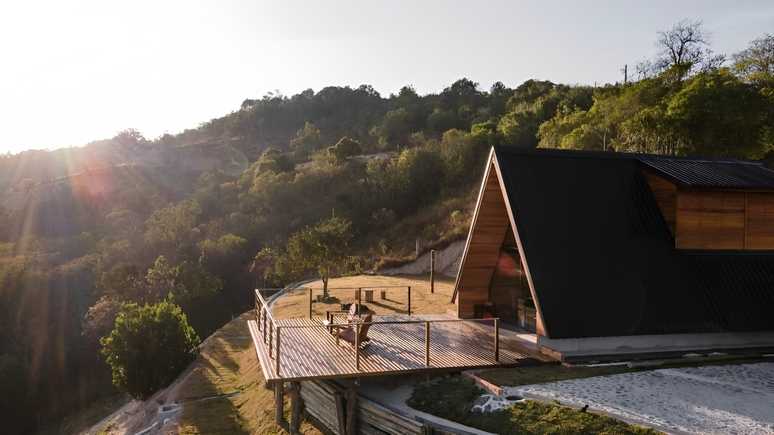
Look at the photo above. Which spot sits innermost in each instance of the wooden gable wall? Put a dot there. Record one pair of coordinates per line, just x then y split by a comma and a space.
666, 197
714, 218
490, 224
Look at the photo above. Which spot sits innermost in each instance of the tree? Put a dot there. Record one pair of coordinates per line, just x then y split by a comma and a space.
275, 161
149, 347
261, 269
393, 129
756, 63
718, 115
685, 43
319, 248
307, 139
174, 228
345, 148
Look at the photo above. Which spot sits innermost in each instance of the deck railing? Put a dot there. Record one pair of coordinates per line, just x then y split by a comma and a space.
271, 330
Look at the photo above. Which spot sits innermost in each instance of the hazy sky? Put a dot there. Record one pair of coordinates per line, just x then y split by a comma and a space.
72, 72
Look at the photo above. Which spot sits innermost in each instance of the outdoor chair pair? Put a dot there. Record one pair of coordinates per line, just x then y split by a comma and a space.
348, 331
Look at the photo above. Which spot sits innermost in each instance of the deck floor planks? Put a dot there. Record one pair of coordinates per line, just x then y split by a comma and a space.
308, 351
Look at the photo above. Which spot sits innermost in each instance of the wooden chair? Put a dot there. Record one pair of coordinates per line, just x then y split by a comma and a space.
348, 334
331, 315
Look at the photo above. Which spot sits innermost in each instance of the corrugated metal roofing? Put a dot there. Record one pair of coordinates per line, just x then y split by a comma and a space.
713, 173
603, 261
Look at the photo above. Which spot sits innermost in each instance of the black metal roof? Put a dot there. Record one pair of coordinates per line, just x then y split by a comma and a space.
713, 173
603, 261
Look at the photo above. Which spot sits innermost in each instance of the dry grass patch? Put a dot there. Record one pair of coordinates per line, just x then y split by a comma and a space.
81, 421
228, 364
342, 291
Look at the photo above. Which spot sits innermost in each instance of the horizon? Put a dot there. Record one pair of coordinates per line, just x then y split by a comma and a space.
82, 73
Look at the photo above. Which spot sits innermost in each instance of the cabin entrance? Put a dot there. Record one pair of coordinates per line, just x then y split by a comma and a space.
509, 290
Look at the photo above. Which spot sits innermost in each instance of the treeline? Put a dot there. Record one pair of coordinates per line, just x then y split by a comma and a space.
202, 217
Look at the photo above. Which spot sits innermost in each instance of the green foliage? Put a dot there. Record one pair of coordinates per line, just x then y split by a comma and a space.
453, 399
345, 148
756, 63
174, 229
275, 161
307, 139
198, 293
319, 248
393, 129
718, 115
149, 347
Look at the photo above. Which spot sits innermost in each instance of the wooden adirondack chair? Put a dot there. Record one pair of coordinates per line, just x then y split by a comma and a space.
331, 315
348, 335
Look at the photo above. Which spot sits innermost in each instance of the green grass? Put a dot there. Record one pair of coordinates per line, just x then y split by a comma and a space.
453, 399
538, 374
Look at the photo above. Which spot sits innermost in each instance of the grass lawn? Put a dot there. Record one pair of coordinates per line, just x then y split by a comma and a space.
342, 290
453, 399
228, 364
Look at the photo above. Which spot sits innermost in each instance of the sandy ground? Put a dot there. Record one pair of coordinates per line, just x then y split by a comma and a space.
447, 262
732, 399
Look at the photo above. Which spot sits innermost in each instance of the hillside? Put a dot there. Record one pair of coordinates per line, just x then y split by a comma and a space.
202, 216
226, 366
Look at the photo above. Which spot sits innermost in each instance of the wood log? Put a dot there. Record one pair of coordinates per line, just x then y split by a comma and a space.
341, 411
320, 404
279, 411
295, 408
351, 407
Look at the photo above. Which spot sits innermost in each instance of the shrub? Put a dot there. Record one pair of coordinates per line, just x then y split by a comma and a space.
149, 347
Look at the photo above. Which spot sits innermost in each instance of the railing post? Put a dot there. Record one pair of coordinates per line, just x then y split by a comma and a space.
497, 339
263, 316
270, 333
359, 299
310, 303
427, 343
357, 346
278, 351
409, 300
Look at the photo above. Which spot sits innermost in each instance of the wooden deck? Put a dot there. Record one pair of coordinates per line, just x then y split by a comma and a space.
309, 351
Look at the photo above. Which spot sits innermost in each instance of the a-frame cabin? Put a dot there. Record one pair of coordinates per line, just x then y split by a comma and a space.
613, 256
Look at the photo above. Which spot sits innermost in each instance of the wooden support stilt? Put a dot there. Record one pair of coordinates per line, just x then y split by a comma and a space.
351, 407
497, 339
427, 344
295, 408
341, 411
279, 409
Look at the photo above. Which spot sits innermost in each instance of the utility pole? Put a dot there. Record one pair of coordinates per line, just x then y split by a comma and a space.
625, 72
432, 271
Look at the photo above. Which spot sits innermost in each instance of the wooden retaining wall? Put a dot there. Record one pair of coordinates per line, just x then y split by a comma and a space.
325, 400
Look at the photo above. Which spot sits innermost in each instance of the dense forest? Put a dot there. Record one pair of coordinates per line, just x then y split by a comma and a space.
201, 217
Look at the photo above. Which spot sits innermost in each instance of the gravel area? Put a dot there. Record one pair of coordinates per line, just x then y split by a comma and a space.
731, 399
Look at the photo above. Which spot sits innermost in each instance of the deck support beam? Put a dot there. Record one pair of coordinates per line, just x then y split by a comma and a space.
351, 407
279, 406
295, 408
341, 411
